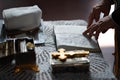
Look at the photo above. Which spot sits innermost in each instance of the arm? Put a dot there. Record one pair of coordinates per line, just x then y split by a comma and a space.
103, 24
102, 6
116, 16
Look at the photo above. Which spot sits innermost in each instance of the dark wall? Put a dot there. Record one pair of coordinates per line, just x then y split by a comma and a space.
54, 9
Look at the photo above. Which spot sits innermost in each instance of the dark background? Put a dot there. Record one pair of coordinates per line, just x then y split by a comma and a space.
54, 9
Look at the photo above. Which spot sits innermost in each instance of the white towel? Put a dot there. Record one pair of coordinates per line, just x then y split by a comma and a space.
22, 18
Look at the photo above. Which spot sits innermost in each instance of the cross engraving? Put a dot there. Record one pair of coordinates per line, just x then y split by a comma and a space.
62, 55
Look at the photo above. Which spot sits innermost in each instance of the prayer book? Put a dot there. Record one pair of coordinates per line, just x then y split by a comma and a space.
70, 37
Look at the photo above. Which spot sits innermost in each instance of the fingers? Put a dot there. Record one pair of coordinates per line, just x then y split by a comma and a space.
86, 32
97, 33
93, 30
90, 19
106, 14
97, 13
94, 15
103, 31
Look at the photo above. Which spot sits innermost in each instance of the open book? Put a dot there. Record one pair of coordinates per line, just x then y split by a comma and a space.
70, 37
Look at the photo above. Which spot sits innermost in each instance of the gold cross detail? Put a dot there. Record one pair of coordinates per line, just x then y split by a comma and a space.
63, 55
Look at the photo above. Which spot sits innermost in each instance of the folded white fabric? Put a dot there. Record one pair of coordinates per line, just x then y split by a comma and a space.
22, 18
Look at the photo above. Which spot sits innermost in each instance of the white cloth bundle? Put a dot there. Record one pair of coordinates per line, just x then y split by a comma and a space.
22, 18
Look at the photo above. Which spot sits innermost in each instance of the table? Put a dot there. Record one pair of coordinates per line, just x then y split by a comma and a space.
99, 69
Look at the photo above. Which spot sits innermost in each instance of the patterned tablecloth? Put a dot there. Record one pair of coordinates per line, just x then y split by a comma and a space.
99, 69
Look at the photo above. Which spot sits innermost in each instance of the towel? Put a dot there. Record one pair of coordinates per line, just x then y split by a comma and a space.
22, 18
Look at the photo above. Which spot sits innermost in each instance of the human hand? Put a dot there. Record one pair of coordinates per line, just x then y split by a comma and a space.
101, 26
102, 7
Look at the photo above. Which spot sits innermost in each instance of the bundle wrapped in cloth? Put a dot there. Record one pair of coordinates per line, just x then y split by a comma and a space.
22, 18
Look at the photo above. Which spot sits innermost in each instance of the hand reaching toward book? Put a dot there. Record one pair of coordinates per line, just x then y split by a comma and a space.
101, 26
101, 7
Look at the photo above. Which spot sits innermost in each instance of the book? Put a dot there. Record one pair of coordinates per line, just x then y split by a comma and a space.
70, 37
80, 64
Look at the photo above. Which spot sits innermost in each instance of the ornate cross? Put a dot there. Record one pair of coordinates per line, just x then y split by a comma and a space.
63, 55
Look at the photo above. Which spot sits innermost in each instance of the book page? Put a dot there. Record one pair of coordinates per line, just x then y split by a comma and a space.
71, 38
